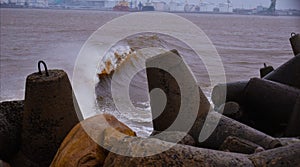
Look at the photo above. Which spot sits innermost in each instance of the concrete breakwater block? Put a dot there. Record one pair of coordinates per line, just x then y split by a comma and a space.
281, 101
270, 104
11, 115
177, 155
229, 127
288, 73
293, 127
231, 109
173, 83
49, 114
179, 101
265, 70
295, 43
175, 137
123, 149
239, 145
79, 149
278, 157
232, 91
120, 149
182, 155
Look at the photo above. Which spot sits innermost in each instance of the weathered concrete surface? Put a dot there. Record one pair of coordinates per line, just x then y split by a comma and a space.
288, 73
231, 109
283, 156
134, 151
177, 155
186, 105
232, 91
229, 127
265, 70
239, 145
269, 104
173, 83
175, 137
79, 149
49, 114
288, 140
295, 43
11, 114
293, 127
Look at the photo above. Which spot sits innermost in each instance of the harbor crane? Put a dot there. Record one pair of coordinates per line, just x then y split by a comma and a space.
272, 7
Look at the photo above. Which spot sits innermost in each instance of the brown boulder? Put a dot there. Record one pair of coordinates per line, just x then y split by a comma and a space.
81, 148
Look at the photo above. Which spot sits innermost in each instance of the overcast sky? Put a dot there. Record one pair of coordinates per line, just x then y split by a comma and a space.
281, 4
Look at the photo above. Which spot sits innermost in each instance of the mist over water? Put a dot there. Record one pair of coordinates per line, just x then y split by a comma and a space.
244, 43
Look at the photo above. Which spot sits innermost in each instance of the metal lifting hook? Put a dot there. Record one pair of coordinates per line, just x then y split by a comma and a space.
293, 34
45, 66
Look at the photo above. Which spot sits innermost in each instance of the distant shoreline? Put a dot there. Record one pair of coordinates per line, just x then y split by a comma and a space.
297, 14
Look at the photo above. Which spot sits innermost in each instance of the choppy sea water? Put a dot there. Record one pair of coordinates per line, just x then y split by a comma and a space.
243, 42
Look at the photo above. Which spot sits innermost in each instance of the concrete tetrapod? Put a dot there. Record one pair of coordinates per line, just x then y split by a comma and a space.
175, 137
288, 73
270, 104
186, 105
176, 155
229, 127
183, 155
293, 124
265, 70
295, 43
49, 114
258, 117
239, 145
165, 118
232, 91
11, 114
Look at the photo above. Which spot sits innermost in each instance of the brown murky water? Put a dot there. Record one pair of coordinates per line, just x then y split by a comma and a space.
56, 36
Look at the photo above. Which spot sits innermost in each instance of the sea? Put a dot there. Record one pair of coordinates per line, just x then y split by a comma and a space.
243, 42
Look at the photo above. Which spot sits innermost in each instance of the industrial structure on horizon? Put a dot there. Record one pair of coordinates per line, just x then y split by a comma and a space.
158, 5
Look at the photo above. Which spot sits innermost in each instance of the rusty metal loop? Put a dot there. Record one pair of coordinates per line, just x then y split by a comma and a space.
45, 66
293, 34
